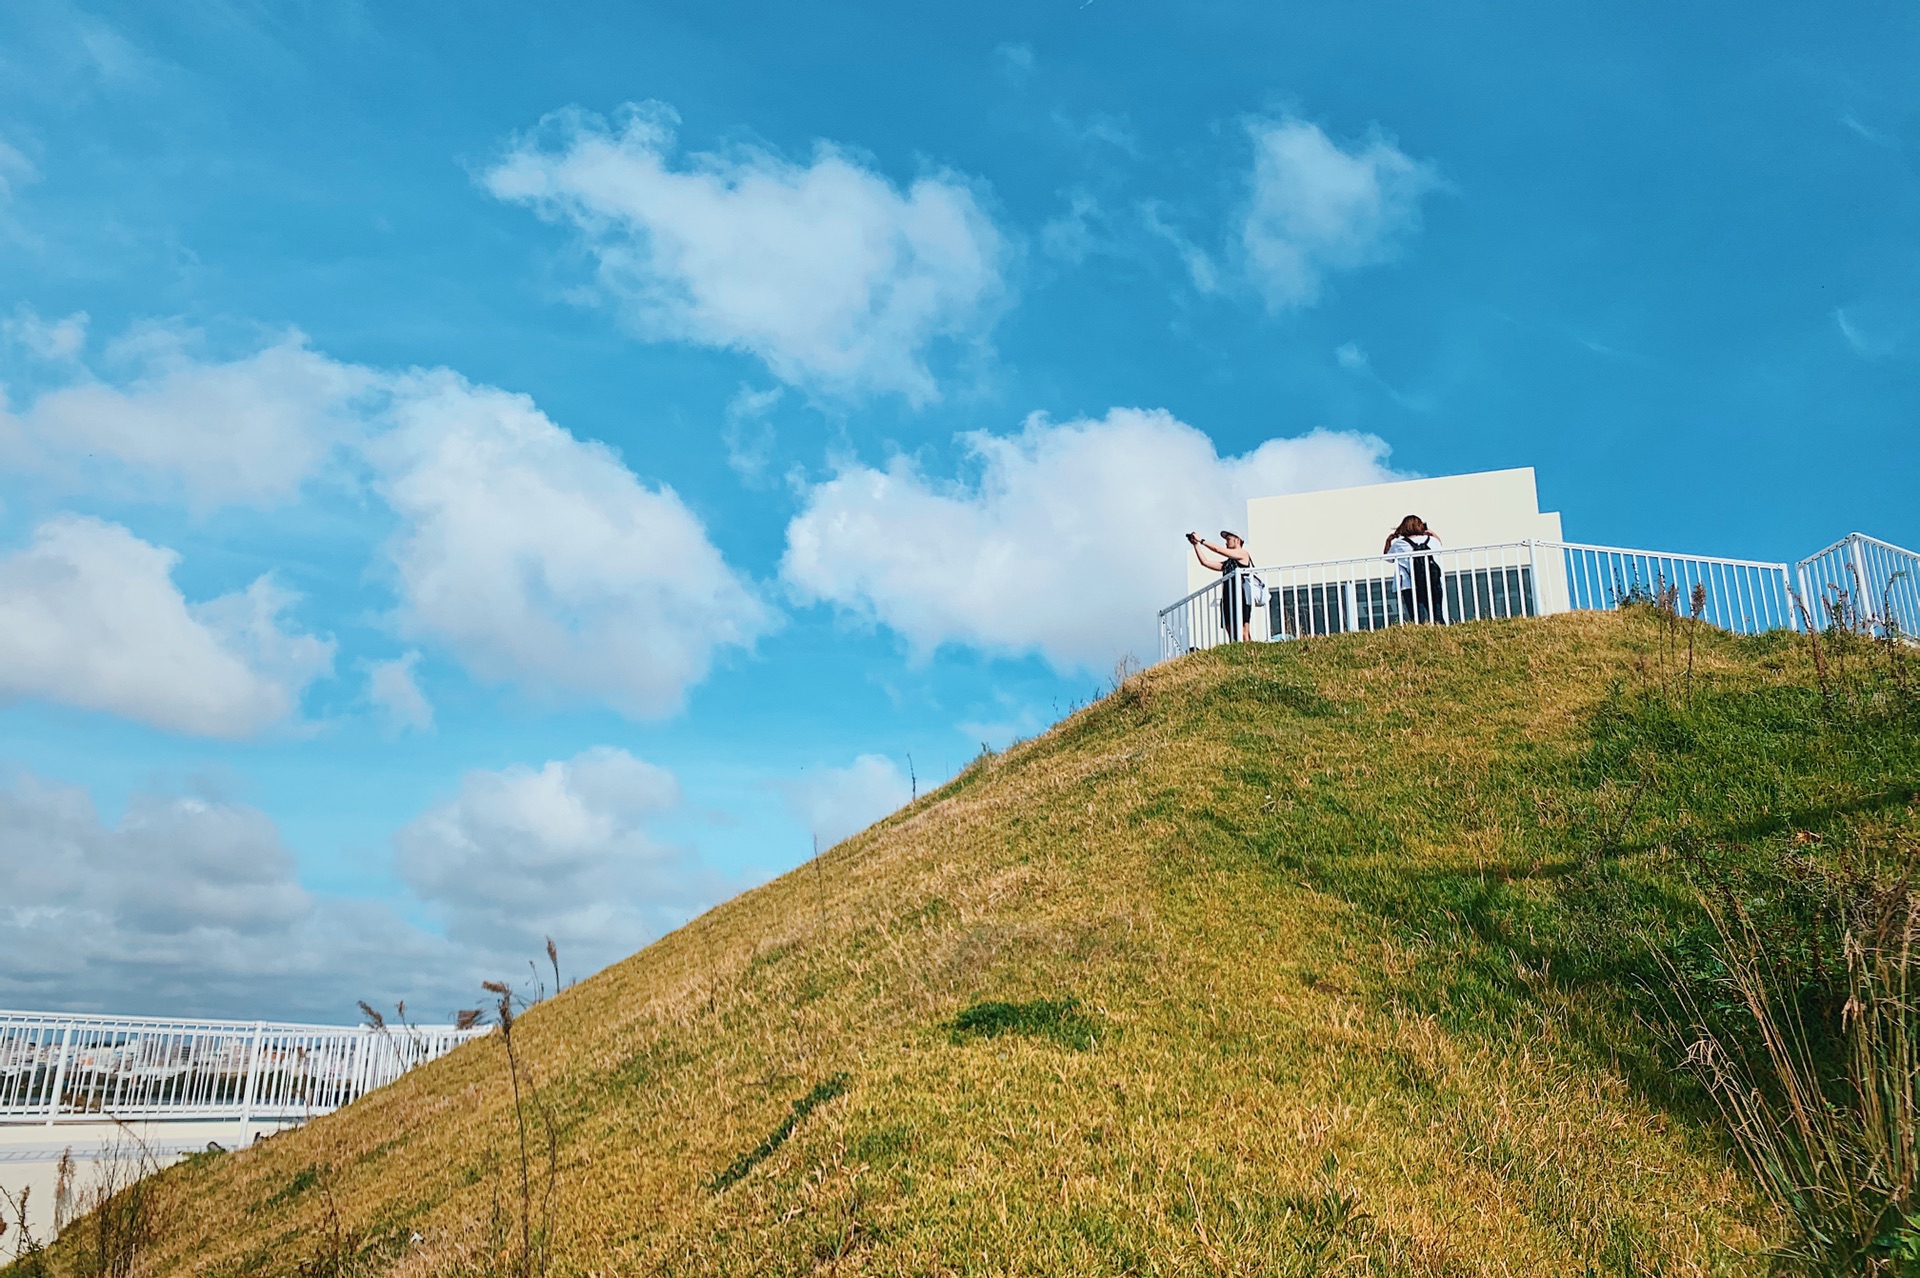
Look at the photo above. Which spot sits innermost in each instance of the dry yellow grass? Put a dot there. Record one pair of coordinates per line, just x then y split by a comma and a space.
1259, 1097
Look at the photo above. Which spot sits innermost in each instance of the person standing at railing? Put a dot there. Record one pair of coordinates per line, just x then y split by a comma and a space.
1233, 561
1422, 588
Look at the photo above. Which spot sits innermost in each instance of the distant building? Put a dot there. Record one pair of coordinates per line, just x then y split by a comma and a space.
1322, 556
1488, 508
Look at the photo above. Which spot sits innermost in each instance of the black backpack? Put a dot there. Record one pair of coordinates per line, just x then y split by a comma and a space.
1427, 566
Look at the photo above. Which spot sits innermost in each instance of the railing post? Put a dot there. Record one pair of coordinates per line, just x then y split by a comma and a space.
253, 1081
59, 1076
357, 1080
1867, 610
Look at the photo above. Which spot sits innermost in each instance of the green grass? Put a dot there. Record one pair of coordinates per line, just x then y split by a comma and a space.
818, 1095
1059, 1020
1340, 956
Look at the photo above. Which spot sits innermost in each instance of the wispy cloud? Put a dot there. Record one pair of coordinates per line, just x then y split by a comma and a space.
1317, 208
1875, 136
16, 170
748, 435
1354, 359
391, 685
1200, 265
1864, 343
1015, 58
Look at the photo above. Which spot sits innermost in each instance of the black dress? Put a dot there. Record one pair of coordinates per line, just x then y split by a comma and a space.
1229, 587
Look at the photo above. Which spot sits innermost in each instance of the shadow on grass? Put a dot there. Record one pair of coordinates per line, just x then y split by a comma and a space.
823, 1091
1062, 1021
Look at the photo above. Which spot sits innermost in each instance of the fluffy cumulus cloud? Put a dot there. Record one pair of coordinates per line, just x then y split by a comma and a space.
541, 559
90, 617
563, 850
190, 905
248, 431
836, 802
534, 557
1067, 542
1318, 208
834, 276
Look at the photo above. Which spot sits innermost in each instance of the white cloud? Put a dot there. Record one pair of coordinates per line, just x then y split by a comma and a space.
52, 341
830, 274
1864, 343
392, 687
190, 906
541, 559
1351, 357
1067, 544
562, 851
1317, 208
15, 170
90, 617
248, 431
1080, 232
1016, 59
836, 802
748, 435
534, 557
1878, 137
1199, 264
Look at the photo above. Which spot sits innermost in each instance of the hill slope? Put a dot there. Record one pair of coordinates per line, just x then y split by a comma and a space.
1309, 958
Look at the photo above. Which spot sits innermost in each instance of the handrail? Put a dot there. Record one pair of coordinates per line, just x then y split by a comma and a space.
1508, 579
56, 1067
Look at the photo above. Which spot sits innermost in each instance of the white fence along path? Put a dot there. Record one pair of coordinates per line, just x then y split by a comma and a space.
1858, 583
58, 1068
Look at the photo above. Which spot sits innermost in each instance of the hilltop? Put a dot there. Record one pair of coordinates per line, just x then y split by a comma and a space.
1331, 956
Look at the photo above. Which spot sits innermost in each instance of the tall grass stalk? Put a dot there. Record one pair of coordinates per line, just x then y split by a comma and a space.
535, 1221
1829, 1136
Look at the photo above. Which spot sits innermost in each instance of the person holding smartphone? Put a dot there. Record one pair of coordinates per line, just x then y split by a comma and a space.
1227, 558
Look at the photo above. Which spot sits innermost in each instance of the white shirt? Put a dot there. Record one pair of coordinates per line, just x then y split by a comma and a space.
1403, 552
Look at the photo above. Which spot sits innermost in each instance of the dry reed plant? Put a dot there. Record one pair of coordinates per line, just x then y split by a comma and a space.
1838, 1157
532, 1120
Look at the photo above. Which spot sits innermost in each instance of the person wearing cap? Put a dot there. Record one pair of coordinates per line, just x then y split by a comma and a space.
1227, 558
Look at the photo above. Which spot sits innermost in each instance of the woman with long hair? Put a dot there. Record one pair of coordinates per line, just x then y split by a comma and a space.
1422, 586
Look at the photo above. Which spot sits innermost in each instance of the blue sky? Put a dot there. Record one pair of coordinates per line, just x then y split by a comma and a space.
469, 480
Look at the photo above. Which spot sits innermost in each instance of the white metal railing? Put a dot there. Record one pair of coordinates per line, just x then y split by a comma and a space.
1515, 579
1746, 596
56, 1068
1862, 583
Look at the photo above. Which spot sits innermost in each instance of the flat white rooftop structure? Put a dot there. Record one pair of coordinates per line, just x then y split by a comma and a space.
1486, 508
1320, 568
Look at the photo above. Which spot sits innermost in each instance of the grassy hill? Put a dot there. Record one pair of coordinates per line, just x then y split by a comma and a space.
1329, 957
